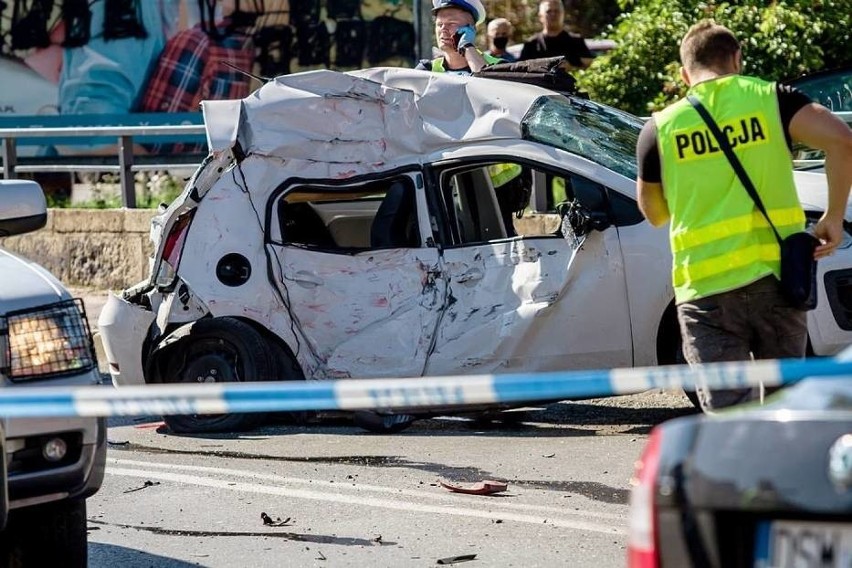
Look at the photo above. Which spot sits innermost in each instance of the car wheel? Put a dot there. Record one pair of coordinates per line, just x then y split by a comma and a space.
380, 423
286, 368
221, 350
53, 534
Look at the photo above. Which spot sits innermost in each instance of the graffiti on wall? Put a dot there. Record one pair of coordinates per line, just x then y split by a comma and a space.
113, 57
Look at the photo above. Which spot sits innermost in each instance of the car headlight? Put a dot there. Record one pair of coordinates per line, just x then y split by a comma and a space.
50, 341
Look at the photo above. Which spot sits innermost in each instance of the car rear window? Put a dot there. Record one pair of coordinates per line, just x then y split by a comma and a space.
601, 134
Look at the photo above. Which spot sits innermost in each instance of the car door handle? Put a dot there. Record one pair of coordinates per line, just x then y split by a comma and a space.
472, 275
307, 279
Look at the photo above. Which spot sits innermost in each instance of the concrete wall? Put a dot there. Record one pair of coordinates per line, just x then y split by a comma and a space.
109, 248
104, 249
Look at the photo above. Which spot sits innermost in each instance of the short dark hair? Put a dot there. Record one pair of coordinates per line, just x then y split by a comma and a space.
706, 45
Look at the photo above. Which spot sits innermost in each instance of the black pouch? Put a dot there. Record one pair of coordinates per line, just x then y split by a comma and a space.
798, 270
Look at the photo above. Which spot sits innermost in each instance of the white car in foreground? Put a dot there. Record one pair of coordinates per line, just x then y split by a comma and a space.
51, 465
365, 224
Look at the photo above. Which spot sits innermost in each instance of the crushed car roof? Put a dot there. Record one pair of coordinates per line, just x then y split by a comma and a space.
370, 118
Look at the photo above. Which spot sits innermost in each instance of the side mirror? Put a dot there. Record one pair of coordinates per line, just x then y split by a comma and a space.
581, 220
22, 207
599, 220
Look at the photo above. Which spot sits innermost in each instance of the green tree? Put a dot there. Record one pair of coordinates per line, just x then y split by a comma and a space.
781, 40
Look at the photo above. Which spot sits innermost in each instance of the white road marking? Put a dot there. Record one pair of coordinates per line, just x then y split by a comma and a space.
323, 495
454, 498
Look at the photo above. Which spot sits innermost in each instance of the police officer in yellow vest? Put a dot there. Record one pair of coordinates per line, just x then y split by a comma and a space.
726, 258
455, 32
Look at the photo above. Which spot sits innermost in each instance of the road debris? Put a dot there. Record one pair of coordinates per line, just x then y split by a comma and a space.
321, 556
457, 559
277, 522
118, 442
148, 483
377, 539
548, 455
484, 487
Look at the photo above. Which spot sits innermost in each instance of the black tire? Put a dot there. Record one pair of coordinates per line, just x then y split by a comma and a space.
380, 423
219, 350
53, 534
286, 368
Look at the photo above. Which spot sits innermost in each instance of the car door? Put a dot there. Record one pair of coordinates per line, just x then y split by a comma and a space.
535, 300
359, 283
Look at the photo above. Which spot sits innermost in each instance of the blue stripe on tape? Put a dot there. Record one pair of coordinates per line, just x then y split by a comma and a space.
552, 386
282, 396
32, 402
795, 369
421, 392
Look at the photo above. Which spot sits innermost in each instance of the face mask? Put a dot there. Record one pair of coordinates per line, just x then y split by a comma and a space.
501, 42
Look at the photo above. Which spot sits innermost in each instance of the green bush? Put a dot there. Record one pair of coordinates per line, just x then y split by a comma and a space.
152, 189
781, 40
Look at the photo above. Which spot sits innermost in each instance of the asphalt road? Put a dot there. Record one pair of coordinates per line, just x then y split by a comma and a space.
345, 497
351, 498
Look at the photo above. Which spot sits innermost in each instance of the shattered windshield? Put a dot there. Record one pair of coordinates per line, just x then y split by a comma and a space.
601, 134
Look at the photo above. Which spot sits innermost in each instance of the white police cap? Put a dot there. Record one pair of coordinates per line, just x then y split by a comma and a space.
474, 7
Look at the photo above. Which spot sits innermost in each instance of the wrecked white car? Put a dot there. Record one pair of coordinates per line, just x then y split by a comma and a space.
382, 223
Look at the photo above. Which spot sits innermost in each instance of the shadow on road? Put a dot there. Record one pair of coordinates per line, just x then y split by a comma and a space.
110, 555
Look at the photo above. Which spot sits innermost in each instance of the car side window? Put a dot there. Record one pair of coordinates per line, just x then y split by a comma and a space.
375, 215
492, 201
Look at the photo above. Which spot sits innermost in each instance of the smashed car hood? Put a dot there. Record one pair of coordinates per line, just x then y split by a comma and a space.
371, 119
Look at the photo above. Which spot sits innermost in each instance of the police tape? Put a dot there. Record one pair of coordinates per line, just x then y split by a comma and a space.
411, 393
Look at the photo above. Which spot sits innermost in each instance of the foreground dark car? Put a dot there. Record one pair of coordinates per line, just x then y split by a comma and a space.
763, 486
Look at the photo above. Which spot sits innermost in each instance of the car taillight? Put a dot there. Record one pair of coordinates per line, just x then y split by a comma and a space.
642, 549
174, 242
173, 247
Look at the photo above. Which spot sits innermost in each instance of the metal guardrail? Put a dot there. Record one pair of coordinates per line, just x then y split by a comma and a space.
124, 136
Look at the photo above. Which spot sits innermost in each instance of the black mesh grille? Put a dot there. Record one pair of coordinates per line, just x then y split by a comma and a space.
838, 288
50, 341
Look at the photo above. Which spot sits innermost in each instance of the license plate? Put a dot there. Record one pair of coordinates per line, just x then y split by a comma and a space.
794, 544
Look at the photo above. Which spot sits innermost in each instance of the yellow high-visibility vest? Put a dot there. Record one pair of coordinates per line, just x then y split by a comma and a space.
720, 241
438, 64
501, 174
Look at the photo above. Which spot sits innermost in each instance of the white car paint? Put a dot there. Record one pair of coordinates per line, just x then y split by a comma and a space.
534, 302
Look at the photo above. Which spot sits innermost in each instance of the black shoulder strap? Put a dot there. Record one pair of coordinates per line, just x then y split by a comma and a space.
732, 158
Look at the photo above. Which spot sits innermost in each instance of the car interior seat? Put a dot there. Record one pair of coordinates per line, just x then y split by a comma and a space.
395, 223
300, 224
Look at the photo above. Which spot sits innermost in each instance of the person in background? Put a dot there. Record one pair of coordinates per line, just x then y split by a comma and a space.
553, 40
726, 260
455, 32
499, 36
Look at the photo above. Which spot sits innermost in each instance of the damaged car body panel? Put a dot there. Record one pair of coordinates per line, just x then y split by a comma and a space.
384, 223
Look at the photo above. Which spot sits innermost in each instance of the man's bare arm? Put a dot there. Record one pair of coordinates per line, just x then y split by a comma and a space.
652, 202
474, 59
815, 126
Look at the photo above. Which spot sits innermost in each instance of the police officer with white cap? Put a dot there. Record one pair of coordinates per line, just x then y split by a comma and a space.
455, 32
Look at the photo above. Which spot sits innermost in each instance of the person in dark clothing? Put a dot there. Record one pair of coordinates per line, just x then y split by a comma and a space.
499, 36
553, 40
